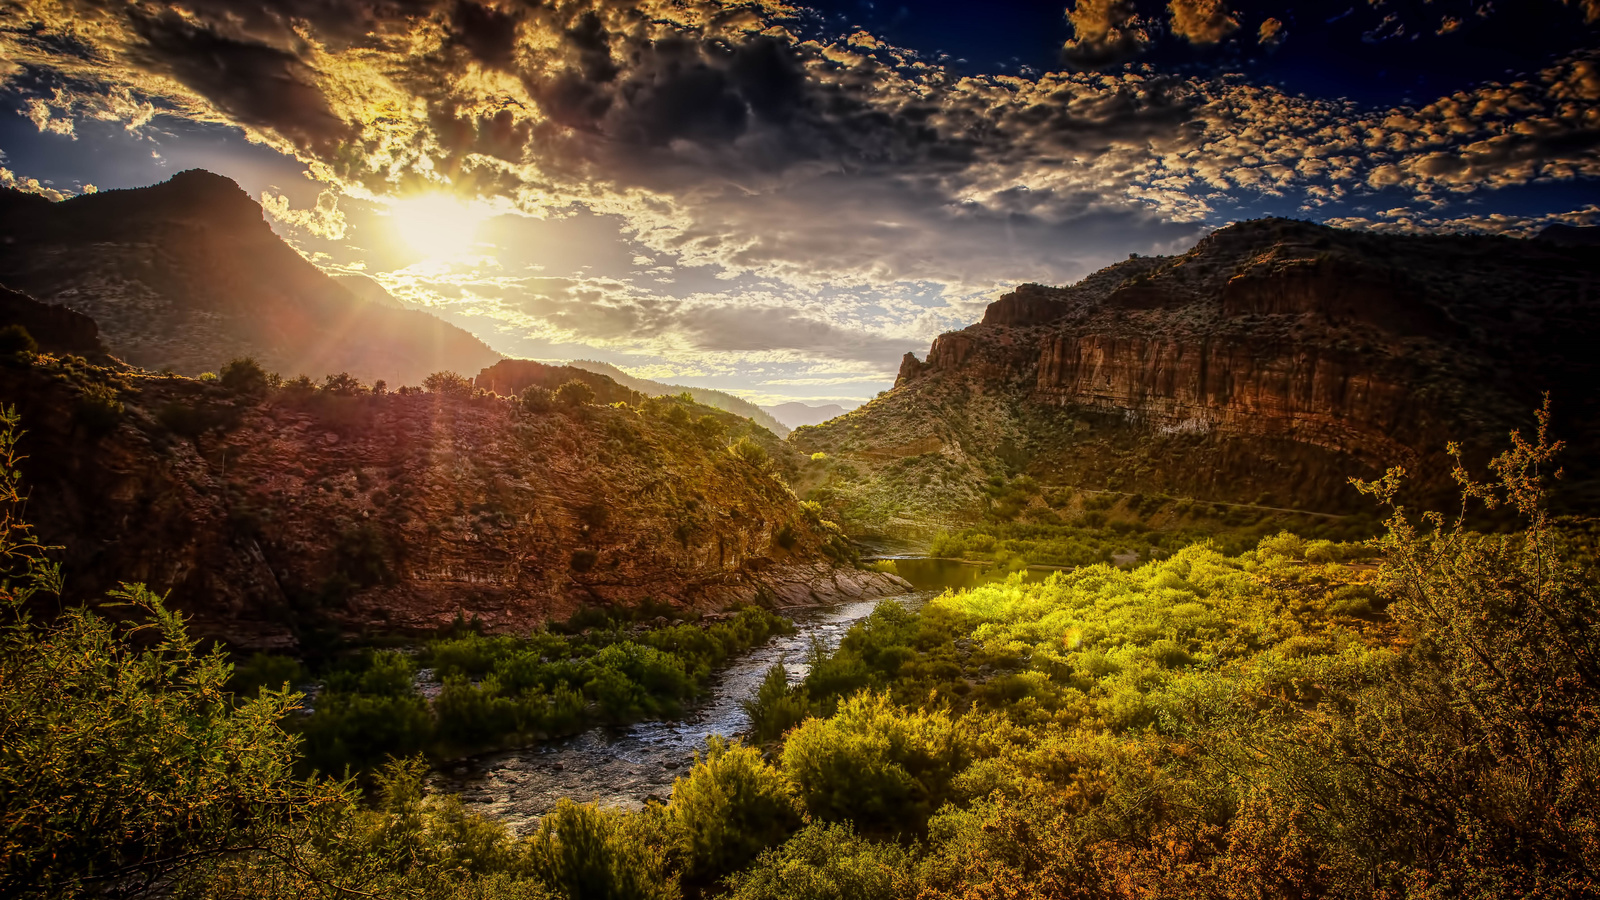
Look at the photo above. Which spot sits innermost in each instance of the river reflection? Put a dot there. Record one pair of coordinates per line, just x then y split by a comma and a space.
937, 575
628, 766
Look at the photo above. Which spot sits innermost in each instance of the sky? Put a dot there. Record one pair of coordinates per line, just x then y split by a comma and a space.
780, 199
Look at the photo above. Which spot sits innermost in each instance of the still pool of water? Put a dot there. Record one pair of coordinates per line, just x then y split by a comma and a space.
629, 766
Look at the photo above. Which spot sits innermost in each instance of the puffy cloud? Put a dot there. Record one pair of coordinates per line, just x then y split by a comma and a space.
728, 148
1271, 33
1202, 21
1104, 33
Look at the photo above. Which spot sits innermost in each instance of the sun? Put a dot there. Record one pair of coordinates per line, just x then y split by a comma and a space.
436, 225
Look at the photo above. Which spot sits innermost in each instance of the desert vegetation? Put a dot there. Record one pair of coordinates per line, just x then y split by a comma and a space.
1408, 717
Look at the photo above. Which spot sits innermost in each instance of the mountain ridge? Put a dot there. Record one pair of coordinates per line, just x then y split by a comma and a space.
187, 274
1276, 359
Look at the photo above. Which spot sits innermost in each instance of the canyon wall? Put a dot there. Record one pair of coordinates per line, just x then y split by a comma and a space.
277, 517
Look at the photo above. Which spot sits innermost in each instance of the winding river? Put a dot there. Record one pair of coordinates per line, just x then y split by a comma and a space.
628, 766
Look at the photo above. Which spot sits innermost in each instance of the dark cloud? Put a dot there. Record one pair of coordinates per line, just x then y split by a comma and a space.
252, 83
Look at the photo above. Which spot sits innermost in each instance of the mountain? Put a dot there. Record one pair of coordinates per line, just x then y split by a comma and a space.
282, 517
1265, 367
709, 397
186, 275
795, 415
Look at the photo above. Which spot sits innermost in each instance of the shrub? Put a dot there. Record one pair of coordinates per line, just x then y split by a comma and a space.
594, 854
448, 384
16, 341
245, 376
536, 400
828, 862
775, 707
98, 409
732, 806
874, 763
748, 451
574, 394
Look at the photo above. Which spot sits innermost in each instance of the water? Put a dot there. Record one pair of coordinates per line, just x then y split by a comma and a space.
939, 574
626, 767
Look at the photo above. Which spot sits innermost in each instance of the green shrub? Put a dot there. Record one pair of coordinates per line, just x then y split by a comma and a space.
828, 862
875, 764
732, 806
593, 854
574, 393
536, 400
775, 708
749, 452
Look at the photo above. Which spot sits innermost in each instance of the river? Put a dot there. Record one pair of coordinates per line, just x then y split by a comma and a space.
628, 766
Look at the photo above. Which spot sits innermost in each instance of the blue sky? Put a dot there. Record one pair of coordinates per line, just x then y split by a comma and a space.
781, 200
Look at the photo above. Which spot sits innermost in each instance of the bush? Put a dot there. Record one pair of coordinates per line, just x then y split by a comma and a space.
245, 376
16, 341
99, 409
574, 394
747, 451
875, 764
775, 708
536, 400
828, 862
594, 854
448, 384
732, 806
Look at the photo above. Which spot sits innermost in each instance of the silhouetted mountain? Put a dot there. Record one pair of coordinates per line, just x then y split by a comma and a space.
713, 398
56, 329
1266, 366
187, 275
795, 415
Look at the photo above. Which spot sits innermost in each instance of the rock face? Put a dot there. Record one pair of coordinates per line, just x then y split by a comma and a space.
56, 329
1275, 358
187, 275
276, 519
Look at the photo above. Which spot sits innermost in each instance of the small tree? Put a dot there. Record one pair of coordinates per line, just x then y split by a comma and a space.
574, 394
448, 384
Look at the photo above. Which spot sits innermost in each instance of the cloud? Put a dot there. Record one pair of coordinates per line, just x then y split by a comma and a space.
1105, 33
1202, 21
729, 148
1271, 33
324, 220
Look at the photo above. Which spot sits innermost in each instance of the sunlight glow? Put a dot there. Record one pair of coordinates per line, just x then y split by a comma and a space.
439, 226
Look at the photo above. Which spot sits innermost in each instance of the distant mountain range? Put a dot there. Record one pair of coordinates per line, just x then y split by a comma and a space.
716, 399
795, 415
187, 274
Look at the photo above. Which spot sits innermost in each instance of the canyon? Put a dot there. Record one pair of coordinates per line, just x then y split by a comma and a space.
1269, 364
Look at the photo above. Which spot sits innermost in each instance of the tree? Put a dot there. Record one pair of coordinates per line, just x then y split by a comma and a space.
15, 340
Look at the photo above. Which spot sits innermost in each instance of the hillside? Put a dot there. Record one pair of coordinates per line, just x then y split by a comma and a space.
187, 274
1264, 367
707, 396
280, 517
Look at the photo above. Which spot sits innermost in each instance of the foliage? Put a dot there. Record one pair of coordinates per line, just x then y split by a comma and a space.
749, 452
775, 707
448, 384
245, 376
536, 400
732, 806
574, 393
591, 854
15, 340
828, 862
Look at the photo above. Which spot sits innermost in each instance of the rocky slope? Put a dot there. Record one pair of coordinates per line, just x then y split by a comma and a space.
279, 517
187, 275
1267, 365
